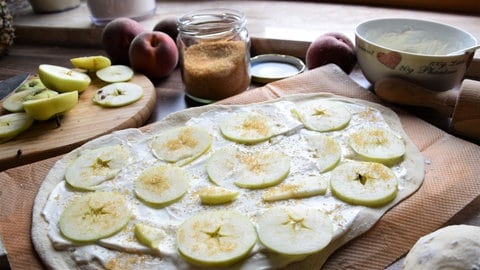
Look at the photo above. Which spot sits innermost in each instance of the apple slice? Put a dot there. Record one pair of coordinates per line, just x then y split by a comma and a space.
14, 102
118, 94
325, 150
324, 115
216, 238
248, 128
364, 183
31, 83
94, 216
294, 230
378, 145
13, 124
63, 79
148, 235
91, 63
92, 167
181, 145
161, 185
307, 187
46, 108
44, 93
217, 195
247, 169
115, 73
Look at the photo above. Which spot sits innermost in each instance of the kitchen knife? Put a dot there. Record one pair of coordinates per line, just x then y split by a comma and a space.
10, 84
462, 105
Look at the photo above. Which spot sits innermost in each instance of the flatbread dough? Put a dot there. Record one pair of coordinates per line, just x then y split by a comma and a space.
451, 247
411, 172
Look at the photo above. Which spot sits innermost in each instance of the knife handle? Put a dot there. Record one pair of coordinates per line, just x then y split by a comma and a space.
403, 92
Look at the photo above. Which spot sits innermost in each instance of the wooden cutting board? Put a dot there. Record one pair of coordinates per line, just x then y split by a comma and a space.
85, 121
449, 186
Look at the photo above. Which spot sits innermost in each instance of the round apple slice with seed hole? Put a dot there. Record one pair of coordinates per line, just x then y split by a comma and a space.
377, 145
364, 183
115, 73
247, 169
216, 238
248, 128
118, 94
294, 230
95, 166
324, 115
161, 185
94, 216
181, 145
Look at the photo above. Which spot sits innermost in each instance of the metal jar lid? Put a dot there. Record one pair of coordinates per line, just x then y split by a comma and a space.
267, 68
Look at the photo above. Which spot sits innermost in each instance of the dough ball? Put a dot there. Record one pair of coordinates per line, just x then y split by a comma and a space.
451, 247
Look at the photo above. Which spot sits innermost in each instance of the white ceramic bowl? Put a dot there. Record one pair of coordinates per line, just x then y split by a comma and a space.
415, 50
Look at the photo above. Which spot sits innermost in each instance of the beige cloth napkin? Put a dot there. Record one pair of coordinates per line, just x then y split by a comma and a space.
451, 183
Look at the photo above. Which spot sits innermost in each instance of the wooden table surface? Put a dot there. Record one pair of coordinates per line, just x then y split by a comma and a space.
275, 27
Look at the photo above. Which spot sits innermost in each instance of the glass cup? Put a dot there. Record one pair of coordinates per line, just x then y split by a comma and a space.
214, 47
104, 11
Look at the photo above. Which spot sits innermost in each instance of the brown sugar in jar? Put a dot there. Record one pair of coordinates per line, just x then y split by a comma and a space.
215, 70
214, 51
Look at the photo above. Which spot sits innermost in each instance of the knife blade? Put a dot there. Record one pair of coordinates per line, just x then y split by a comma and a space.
10, 84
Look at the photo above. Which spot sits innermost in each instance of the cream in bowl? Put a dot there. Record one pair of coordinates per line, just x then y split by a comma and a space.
416, 50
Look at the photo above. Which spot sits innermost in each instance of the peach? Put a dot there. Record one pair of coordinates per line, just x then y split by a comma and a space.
330, 48
169, 26
154, 54
117, 37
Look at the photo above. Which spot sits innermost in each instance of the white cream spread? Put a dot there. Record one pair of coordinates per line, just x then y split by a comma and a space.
412, 41
123, 248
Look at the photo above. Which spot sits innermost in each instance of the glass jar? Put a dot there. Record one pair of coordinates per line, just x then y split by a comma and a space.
214, 47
